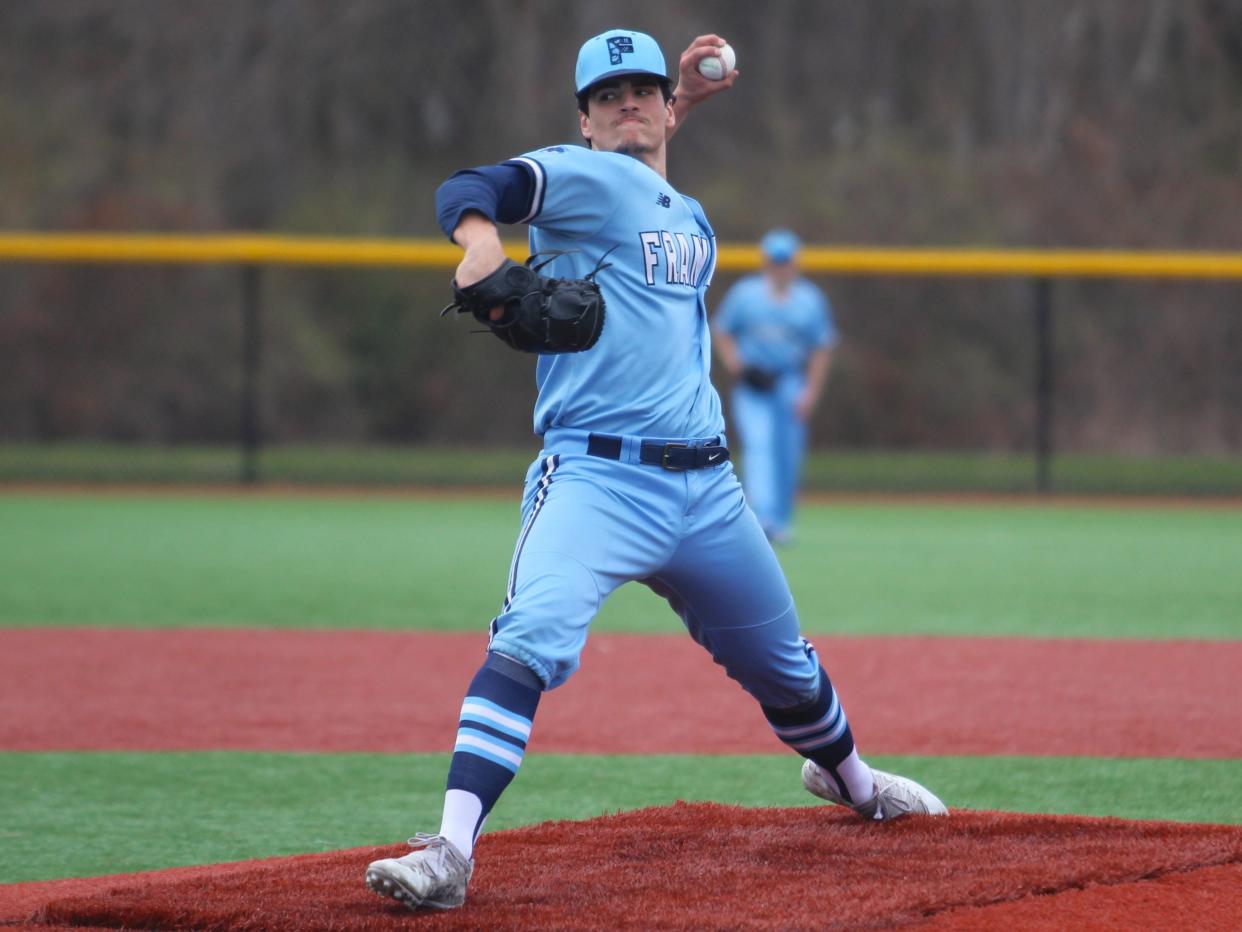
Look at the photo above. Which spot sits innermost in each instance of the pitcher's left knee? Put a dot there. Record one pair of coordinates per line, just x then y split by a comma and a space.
771, 660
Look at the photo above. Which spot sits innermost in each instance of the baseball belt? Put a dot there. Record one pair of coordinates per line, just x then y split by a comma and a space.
672, 455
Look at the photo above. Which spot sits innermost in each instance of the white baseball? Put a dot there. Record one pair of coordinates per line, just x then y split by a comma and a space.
717, 69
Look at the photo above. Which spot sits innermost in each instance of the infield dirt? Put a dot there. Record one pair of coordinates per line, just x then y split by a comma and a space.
708, 866
288, 690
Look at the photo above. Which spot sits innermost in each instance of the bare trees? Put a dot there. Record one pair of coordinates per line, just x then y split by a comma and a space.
926, 122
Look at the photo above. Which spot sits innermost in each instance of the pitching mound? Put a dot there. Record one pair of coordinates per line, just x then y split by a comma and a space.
707, 866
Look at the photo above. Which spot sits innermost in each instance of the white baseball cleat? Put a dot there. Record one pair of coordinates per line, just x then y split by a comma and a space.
894, 796
434, 874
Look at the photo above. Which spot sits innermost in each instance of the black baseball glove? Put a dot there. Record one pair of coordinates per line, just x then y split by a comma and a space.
759, 379
541, 315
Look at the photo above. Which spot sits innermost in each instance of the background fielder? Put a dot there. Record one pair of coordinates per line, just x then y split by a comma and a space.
634, 480
775, 334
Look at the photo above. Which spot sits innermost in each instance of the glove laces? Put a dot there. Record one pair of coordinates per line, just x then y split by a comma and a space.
553, 254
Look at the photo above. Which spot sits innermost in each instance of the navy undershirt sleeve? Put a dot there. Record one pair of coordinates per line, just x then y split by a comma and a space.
502, 193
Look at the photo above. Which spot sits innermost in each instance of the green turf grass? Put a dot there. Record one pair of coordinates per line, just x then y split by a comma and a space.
66, 815
853, 470
394, 562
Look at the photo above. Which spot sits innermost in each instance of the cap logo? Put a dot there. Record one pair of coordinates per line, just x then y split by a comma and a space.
618, 46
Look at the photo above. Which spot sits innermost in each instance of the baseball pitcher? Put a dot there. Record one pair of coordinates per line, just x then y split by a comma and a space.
634, 481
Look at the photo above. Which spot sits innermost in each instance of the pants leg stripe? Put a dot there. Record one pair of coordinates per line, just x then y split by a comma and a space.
549, 467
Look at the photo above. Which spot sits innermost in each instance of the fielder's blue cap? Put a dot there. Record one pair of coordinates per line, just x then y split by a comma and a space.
617, 52
780, 245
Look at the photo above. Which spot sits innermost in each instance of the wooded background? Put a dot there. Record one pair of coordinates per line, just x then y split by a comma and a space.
973, 123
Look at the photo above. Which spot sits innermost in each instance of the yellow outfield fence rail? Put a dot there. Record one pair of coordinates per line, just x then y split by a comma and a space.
263, 249
251, 252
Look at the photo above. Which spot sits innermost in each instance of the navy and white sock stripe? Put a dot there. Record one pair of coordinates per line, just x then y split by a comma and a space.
492, 732
548, 468
819, 729
824, 731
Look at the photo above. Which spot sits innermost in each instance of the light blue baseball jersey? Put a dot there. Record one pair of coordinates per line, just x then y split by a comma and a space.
649, 373
776, 334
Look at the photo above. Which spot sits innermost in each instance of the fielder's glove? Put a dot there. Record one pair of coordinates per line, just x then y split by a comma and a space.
541, 315
759, 379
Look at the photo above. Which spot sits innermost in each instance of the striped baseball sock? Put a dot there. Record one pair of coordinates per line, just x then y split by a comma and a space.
492, 733
819, 730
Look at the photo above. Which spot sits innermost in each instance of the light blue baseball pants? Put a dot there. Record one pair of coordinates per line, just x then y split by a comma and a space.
774, 445
590, 524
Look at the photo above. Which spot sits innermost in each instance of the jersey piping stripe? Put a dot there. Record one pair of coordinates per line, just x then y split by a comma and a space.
541, 183
549, 467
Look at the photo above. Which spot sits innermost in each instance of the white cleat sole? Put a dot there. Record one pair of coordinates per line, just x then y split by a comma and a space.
390, 885
379, 882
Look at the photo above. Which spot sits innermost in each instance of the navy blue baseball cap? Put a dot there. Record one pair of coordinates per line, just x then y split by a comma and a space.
780, 245
615, 53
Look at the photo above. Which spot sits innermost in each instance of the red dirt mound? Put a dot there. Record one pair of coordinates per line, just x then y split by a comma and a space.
1209, 898
711, 866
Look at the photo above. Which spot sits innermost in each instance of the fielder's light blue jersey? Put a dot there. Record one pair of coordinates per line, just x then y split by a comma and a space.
649, 373
776, 334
